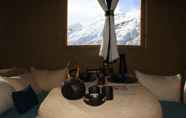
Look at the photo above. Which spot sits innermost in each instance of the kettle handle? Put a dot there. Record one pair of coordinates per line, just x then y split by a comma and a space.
67, 75
77, 70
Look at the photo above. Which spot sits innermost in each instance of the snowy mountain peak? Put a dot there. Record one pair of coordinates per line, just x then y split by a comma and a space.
127, 27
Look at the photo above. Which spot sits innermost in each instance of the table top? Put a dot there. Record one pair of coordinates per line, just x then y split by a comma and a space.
130, 101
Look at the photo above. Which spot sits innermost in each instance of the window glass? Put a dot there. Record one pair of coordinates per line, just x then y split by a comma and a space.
86, 21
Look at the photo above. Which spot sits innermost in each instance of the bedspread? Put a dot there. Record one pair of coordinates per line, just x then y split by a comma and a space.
131, 101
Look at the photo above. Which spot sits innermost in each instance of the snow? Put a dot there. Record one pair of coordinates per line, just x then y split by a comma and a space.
127, 27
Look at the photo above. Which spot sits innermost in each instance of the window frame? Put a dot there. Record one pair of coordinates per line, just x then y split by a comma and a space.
142, 31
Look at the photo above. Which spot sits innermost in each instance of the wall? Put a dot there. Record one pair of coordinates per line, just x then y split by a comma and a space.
7, 31
34, 33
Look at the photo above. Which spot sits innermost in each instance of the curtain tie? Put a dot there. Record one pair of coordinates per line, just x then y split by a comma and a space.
109, 13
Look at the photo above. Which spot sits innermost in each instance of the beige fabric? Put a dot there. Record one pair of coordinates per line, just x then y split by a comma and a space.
5, 70
21, 81
48, 79
164, 87
135, 102
6, 101
14, 71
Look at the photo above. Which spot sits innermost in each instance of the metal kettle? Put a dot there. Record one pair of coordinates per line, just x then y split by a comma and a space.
73, 89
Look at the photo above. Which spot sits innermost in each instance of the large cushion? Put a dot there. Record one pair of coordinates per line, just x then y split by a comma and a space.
173, 109
19, 82
6, 101
48, 79
25, 99
135, 102
5, 70
12, 113
164, 87
32, 113
14, 71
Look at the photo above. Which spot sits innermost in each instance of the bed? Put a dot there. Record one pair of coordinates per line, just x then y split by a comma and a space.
134, 101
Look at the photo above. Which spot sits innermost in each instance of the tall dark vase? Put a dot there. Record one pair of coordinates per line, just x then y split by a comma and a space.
123, 66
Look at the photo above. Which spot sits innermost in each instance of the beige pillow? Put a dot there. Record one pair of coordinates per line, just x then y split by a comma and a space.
5, 70
22, 81
6, 101
15, 71
48, 79
164, 87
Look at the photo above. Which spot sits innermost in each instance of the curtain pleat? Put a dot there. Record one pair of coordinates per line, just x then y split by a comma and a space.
108, 49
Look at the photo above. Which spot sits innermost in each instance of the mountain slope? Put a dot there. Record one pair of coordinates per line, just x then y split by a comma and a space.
127, 27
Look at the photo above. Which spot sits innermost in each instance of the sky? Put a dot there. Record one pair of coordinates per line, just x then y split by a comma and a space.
126, 5
83, 11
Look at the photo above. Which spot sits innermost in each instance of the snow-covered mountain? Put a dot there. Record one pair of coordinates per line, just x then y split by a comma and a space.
127, 27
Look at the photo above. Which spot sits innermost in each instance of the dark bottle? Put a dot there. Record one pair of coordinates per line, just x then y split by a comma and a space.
123, 66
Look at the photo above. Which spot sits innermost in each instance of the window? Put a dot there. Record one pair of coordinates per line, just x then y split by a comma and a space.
86, 22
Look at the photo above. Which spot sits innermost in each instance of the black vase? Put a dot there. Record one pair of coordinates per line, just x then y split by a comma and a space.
123, 65
107, 91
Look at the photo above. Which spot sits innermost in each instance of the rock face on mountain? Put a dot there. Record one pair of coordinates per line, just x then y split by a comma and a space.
127, 27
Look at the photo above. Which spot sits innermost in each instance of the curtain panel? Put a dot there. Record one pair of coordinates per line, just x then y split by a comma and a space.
109, 50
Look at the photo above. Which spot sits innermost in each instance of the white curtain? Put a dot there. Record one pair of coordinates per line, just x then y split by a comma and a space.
108, 48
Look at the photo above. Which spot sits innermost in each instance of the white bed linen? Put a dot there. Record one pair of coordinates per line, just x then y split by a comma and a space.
133, 102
